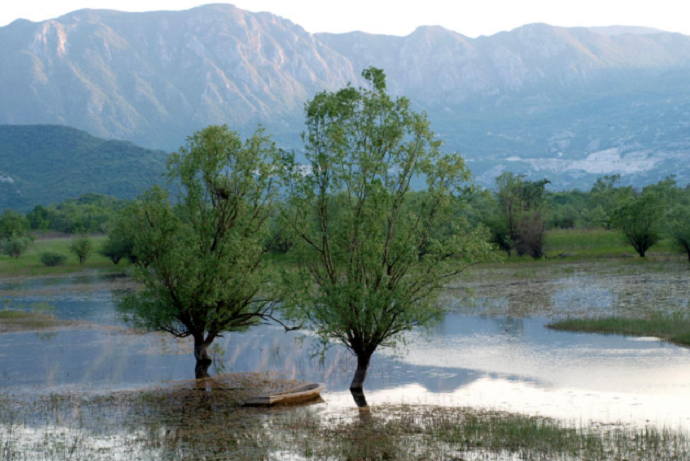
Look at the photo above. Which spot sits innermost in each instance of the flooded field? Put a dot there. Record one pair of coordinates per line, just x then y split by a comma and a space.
492, 353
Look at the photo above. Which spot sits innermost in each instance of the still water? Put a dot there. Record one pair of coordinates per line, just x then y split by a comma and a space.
495, 362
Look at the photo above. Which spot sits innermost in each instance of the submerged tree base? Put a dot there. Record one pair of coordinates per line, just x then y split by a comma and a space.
673, 328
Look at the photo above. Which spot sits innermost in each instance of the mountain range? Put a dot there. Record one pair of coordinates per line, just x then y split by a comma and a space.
569, 104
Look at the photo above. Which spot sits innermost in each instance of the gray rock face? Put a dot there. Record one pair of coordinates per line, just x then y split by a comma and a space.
153, 78
139, 76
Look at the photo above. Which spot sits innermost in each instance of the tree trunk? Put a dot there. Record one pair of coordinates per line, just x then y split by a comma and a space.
642, 254
360, 399
203, 360
201, 369
688, 254
363, 360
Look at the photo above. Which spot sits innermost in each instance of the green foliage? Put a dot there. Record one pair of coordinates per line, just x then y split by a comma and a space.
520, 222
82, 247
16, 246
639, 218
121, 238
14, 234
201, 262
13, 224
50, 164
90, 212
606, 195
596, 218
564, 217
39, 218
678, 227
53, 259
374, 256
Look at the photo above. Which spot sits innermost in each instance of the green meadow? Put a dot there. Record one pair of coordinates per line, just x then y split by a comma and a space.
29, 264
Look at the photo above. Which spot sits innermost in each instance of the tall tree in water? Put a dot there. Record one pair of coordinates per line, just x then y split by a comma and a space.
374, 255
201, 262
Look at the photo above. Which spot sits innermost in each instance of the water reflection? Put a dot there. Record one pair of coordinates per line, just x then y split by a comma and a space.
506, 363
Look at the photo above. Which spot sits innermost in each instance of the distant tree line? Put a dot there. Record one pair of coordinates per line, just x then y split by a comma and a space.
520, 212
517, 213
90, 213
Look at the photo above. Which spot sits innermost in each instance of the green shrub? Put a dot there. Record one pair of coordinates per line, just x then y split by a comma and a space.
52, 258
16, 246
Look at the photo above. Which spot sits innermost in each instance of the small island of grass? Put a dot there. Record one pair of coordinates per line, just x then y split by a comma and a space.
673, 328
13, 321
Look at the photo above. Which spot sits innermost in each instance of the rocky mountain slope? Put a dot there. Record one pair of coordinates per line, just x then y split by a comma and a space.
566, 103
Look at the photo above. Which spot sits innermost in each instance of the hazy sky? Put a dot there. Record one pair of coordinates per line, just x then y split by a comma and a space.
400, 17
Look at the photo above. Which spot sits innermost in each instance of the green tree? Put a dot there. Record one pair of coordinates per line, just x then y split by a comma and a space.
121, 237
201, 263
374, 256
607, 196
82, 247
639, 218
13, 224
15, 239
38, 218
595, 218
678, 227
522, 210
114, 249
16, 246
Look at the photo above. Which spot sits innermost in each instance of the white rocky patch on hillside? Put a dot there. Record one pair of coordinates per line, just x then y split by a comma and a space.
609, 161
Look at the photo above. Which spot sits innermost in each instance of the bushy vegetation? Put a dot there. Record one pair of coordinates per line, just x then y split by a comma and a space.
15, 238
89, 213
520, 212
53, 259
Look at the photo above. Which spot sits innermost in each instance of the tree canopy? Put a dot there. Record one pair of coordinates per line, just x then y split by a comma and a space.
373, 255
201, 261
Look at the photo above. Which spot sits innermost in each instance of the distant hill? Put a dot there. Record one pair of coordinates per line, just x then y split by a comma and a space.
43, 164
566, 103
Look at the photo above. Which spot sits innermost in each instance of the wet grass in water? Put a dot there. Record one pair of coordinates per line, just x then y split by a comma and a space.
674, 328
39, 318
198, 421
604, 288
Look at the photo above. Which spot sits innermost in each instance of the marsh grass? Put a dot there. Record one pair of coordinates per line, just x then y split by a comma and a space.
38, 317
674, 328
575, 289
206, 420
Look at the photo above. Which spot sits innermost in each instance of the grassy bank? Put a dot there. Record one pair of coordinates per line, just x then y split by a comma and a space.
673, 328
596, 243
29, 264
561, 245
